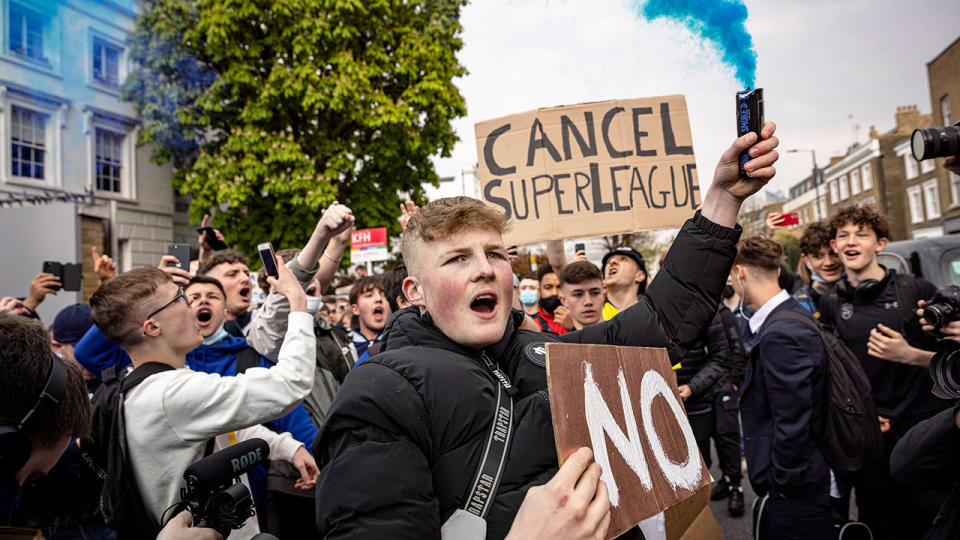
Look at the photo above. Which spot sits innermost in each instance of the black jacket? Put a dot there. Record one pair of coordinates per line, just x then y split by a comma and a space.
781, 407
928, 457
705, 367
404, 436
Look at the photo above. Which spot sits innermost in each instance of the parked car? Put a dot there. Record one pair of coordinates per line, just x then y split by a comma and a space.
934, 259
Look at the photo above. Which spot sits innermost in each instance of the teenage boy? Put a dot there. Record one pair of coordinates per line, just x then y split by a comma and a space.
581, 291
173, 413
625, 277
780, 402
42, 399
232, 270
867, 307
404, 438
368, 302
821, 263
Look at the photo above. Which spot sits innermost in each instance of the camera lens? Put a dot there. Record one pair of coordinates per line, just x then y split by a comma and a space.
933, 315
935, 142
945, 372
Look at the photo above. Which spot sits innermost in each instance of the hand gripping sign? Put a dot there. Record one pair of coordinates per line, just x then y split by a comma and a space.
623, 403
592, 169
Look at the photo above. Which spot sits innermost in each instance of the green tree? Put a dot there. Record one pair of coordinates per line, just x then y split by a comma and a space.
791, 249
269, 110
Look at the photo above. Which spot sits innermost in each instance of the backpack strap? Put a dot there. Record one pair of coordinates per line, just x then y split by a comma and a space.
140, 373
246, 359
790, 315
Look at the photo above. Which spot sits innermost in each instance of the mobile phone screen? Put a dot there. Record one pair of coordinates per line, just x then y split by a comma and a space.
268, 258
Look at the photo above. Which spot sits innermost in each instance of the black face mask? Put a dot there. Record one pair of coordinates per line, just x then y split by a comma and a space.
728, 292
550, 304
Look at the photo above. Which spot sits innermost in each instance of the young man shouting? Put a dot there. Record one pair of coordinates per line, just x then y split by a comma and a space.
369, 305
625, 277
232, 270
405, 435
171, 414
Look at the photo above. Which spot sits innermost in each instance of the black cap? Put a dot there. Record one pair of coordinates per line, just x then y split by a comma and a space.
72, 323
626, 252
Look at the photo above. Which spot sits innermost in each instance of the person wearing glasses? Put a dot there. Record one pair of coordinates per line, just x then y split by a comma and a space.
171, 415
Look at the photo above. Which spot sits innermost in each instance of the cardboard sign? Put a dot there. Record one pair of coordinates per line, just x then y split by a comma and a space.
623, 403
593, 169
369, 245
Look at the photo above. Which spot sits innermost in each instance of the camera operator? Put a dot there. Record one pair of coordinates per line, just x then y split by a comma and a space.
926, 456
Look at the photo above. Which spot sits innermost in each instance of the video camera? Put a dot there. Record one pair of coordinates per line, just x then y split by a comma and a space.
214, 494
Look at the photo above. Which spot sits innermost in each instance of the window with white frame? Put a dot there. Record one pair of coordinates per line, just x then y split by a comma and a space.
915, 200
26, 33
821, 208
106, 62
111, 154
945, 110
931, 199
28, 143
834, 197
109, 160
855, 182
844, 188
927, 166
867, 175
910, 165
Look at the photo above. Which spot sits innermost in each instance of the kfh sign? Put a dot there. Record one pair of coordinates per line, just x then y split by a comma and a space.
369, 245
623, 403
593, 169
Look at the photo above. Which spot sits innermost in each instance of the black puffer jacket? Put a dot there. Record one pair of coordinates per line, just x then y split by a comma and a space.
404, 436
704, 367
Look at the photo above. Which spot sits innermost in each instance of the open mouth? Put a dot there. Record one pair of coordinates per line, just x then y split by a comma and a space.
245, 293
851, 254
204, 315
484, 304
378, 313
611, 272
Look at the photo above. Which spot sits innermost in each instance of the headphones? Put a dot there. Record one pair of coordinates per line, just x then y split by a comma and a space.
15, 446
867, 290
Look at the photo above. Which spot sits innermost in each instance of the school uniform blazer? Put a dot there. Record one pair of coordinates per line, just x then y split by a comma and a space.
781, 407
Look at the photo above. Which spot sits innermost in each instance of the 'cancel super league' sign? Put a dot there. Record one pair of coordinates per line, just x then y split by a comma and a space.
622, 402
593, 169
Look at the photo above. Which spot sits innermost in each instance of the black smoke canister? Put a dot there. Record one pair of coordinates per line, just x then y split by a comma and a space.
749, 118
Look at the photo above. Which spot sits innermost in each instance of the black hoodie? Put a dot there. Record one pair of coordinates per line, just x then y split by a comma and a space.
404, 436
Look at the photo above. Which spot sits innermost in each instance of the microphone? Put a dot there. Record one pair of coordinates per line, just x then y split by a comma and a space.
220, 468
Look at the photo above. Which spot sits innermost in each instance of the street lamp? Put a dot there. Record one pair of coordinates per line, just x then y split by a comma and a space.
816, 186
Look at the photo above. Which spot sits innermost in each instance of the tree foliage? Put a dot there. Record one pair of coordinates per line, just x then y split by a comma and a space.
269, 110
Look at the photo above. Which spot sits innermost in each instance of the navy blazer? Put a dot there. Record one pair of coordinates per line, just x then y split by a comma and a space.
781, 406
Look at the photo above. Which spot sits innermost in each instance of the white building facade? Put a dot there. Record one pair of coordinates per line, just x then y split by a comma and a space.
64, 130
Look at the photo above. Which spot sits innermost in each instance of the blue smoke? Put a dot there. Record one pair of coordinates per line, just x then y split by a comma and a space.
720, 21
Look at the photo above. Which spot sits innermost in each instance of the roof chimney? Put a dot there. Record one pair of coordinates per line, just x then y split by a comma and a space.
909, 119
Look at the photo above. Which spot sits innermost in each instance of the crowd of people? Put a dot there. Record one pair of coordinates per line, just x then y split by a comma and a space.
380, 408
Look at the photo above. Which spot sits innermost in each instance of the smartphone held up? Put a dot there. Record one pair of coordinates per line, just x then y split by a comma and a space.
269, 259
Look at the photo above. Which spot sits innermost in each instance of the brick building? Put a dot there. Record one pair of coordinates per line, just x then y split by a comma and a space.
943, 73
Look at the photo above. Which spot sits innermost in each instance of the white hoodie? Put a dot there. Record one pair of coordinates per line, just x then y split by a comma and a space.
170, 416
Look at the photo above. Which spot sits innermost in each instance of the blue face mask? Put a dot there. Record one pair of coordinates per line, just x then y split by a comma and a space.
529, 298
216, 336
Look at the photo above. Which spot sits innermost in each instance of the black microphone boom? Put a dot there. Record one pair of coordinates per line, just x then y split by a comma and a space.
219, 469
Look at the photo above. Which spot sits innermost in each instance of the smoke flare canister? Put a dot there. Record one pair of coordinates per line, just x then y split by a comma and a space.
749, 118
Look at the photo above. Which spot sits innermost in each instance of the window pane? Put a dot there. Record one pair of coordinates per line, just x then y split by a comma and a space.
108, 166
28, 142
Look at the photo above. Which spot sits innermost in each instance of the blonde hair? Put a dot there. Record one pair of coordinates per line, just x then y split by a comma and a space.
442, 219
